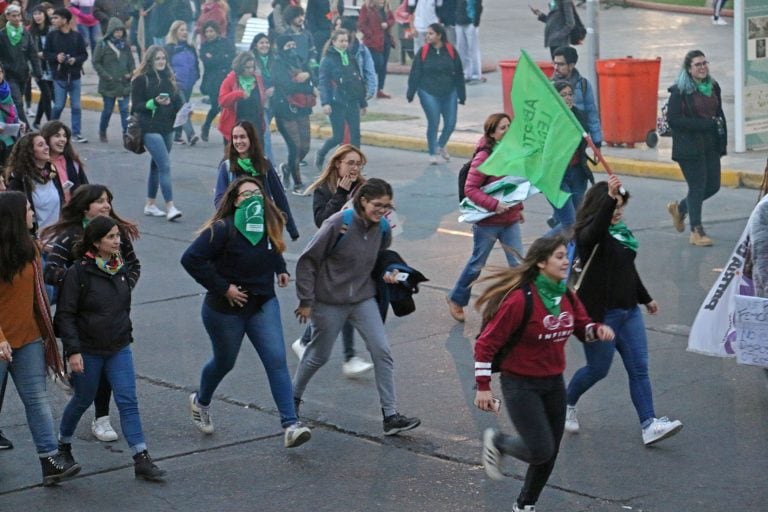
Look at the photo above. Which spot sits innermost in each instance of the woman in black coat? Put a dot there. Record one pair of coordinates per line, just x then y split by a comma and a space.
699, 140
216, 53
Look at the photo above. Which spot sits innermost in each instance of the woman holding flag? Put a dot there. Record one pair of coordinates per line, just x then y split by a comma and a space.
504, 226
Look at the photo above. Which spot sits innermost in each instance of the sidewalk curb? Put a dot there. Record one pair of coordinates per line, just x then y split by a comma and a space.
683, 9
627, 167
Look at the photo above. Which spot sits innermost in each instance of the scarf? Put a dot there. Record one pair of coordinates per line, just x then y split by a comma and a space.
247, 83
5, 93
550, 292
247, 166
42, 311
119, 42
110, 266
265, 71
705, 87
344, 57
621, 232
14, 33
249, 218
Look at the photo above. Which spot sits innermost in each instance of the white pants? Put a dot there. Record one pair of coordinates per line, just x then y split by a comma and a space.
468, 46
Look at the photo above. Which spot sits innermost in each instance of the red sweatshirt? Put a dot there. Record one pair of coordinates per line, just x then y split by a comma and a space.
540, 351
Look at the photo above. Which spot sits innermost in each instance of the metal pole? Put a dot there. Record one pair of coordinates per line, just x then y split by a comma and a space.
592, 46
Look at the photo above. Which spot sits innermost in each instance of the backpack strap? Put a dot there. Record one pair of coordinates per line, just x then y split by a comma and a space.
424, 52
451, 52
515, 336
347, 217
448, 47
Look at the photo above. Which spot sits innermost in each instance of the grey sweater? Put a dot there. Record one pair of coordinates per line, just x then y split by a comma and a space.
339, 273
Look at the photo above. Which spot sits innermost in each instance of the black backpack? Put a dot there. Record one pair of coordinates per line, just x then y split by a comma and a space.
578, 32
464, 172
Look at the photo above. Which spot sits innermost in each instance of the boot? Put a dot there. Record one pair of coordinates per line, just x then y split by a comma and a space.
57, 468
205, 132
103, 137
144, 468
678, 220
699, 237
65, 450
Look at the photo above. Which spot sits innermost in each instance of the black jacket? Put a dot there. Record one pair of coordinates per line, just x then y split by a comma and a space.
462, 17
93, 313
611, 281
17, 59
692, 134
146, 87
284, 69
325, 203
72, 44
438, 72
217, 66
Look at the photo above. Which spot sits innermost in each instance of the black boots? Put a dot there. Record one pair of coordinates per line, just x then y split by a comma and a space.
59, 467
144, 468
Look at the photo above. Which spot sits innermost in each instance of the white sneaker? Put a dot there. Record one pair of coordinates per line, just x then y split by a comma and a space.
153, 210
201, 417
660, 429
432, 159
571, 420
444, 153
355, 366
526, 508
296, 435
298, 348
491, 455
102, 430
173, 213
718, 21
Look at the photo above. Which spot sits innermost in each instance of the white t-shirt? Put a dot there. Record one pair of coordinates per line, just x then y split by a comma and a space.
47, 204
425, 14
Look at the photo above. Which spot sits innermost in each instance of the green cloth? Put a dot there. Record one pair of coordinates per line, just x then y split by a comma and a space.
150, 104
542, 137
247, 166
705, 87
14, 33
249, 218
265, 71
247, 83
344, 57
85, 222
621, 232
550, 292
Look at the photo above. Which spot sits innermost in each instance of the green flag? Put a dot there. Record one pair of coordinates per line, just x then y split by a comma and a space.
542, 136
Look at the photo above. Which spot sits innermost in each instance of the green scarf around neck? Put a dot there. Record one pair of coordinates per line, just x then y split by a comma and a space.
550, 292
14, 33
247, 166
621, 232
247, 83
249, 219
344, 57
265, 71
705, 87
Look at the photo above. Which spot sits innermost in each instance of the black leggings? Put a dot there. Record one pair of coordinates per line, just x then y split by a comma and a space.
537, 409
297, 137
103, 393
215, 109
339, 116
702, 175
44, 104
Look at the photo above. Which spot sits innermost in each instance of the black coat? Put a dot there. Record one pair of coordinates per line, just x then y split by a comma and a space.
217, 66
692, 134
93, 313
146, 87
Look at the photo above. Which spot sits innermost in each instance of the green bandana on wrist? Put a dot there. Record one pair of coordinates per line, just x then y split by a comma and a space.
705, 87
621, 232
247, 166
249, 218
550, 292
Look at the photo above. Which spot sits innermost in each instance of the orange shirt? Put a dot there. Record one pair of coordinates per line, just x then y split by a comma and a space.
18, 325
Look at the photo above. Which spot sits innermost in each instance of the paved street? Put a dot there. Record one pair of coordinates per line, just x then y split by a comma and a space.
716, 463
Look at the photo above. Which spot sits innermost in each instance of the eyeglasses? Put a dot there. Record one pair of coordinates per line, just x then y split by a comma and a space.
701, 64
247, 194
354, 163
559, 64
382, 207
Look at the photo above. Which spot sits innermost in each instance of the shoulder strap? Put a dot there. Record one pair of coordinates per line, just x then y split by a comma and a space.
347, 217
451, 52
424, 51
515, 336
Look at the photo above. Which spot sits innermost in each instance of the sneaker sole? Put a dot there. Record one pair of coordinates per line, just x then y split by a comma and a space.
175, 217
573, 429
666, 435
150, 478
351, 375
106, 439
150, 214
395, 431
491, 456
66, 475
303, 438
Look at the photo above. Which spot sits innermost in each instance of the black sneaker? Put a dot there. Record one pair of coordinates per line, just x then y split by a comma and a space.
65, 450
5, 443
296, 404
396, 423
56, 468
145, 469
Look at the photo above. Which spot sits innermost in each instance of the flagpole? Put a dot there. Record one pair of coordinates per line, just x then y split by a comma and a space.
600, 158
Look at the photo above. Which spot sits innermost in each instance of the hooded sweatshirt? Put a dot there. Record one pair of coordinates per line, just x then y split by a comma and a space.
113, 62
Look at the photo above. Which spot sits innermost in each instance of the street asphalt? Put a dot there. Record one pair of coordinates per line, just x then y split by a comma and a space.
716, 463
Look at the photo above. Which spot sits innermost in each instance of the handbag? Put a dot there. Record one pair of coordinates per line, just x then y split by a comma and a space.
133, 139
578, 32
301, 100
581, 271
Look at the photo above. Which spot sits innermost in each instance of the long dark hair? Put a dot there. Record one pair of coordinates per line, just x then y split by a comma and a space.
21, 163
93, 232
73, 213
50, 129
273, 218
439, 29
255, 153
17, 247
503, 281
370, 190
593, 200
34, 29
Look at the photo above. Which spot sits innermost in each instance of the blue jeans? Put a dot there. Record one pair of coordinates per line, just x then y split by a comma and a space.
92, 35
265, 330
632, 345
341, 114
380, 60
159, 147
268, 136
574, 181
434, 107
109, 106
484, 237
119, 370
28, 372
60, 90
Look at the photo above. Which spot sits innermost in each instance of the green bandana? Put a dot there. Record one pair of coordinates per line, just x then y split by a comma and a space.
705, 87
14, 33
247, 83
265, 71
550, 292
110, 266
344, 57
247, 166
621, 232
249, 218
86, 221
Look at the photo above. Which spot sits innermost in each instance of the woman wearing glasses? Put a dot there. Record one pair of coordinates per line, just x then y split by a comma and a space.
330, 192
699, 140
237, 256
334, 286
